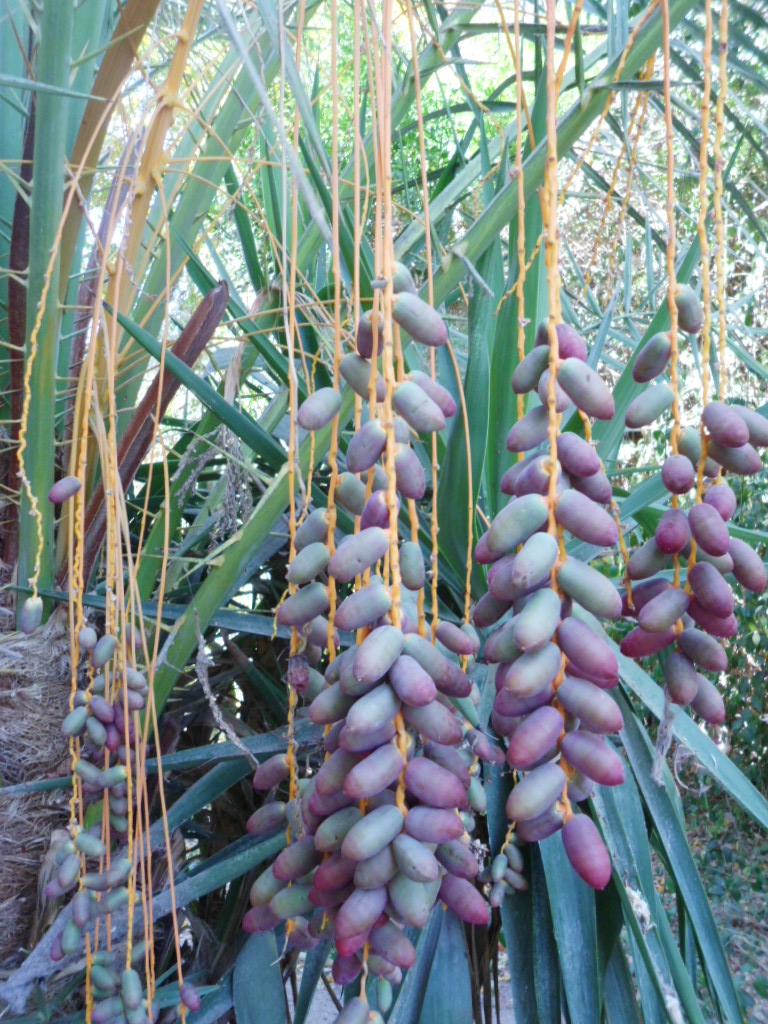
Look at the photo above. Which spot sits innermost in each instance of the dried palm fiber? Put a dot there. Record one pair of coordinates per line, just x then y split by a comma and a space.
34, 691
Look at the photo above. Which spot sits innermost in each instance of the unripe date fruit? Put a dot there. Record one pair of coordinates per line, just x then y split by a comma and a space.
392, 943
308, 563
681, 678
724, 424
748, 567
377, 653
652, 358
703, 650
715, 625
639, 643
377, 830
363, 607
460, 896
708, 530
345, 969
534, 671
672, 532
690, 313
743, 461
534, 479
373, 711
412, 570
586, 520
489, 610
528, 371
433, 825
377, 870
314, 528
586, 389
535, 625
440, 395
423, 323
534, 737
374, 773
450, 759
357, 371
412, 901
588, 654
354, 1012
448, 677
757, 424
596, 709
597, 487
303, 606
512, 576
664, 611
435, 722
678, 474
271, 772
410, 478
376, 511
708, 703
357, 553
317, 411
535, 792
508, 706
334, 873
576, 455
647, 560
417, 408
366, 446
562, 401
64, 489
710, 589
455, 639
592, 756
586, 851
570, 343
530, 431
516, 522
412, 683
544, 825
590, 588
433, 785
359, 911
415, 860
641, 594
297, 860
721, 497
648, 406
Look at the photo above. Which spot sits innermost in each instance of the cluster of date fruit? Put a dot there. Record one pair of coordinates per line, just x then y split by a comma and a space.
381, 832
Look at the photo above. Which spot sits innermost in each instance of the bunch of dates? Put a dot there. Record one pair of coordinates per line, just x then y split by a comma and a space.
686, 616
379, 833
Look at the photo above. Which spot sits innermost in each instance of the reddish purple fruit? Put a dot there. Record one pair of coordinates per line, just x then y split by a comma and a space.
672, 531
586, 851
748, 567
721, 497
678, 474
535, 737
725, 425
710, 589
640, 644
592, 756
708, 529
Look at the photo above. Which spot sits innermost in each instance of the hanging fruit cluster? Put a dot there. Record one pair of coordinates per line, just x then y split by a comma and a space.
553, 669
688, 618
379, 833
